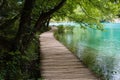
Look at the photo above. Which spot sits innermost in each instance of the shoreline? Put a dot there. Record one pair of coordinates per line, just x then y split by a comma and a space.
116, 20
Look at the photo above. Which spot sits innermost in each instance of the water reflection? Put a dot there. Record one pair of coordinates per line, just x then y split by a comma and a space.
99, 50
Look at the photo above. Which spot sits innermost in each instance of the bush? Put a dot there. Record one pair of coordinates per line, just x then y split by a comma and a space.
14, 66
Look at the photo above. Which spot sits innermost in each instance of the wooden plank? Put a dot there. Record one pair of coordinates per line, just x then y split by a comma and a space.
58, 63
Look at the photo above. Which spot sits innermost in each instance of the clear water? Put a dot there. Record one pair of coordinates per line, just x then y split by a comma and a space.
99, 50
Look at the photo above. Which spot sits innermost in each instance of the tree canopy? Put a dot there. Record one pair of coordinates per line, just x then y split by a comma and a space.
88, 11
21, 20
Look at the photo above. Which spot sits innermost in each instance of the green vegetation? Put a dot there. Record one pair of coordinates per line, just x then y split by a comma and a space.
63, 29
22, 20
20, 23
101, 63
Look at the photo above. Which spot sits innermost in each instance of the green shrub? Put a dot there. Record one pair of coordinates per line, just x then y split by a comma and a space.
14, 66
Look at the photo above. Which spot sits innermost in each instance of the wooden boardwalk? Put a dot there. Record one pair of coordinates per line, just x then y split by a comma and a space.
58, 63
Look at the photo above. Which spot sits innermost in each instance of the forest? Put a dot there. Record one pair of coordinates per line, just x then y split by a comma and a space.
22, 21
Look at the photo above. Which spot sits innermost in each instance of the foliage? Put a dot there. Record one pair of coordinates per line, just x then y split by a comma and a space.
88, 11
16, 66
21, 20
62, 29
102, 66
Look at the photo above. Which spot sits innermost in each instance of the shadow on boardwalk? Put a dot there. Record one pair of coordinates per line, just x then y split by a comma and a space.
58, 63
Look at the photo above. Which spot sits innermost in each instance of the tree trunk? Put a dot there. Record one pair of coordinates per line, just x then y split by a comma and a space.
23, 32
24, 26
43, 19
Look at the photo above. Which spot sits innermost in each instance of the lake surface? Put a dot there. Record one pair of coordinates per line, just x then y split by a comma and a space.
99, 50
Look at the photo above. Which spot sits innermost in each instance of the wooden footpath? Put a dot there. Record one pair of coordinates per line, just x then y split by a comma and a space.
58, 63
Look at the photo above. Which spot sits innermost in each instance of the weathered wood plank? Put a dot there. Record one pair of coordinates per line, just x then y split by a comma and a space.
58, 63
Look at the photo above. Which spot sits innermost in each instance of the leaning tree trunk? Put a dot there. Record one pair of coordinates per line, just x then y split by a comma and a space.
44, 17
25, 35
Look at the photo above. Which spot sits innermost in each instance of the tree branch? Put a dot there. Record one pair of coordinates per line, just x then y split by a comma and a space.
43, 18
45, 15
8, 22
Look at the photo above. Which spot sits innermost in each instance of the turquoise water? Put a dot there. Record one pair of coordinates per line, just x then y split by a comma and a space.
99, 50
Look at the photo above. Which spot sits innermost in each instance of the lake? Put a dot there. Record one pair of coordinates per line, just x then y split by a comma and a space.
99, 50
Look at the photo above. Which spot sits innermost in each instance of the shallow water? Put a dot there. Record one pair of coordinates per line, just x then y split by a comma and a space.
99, 50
